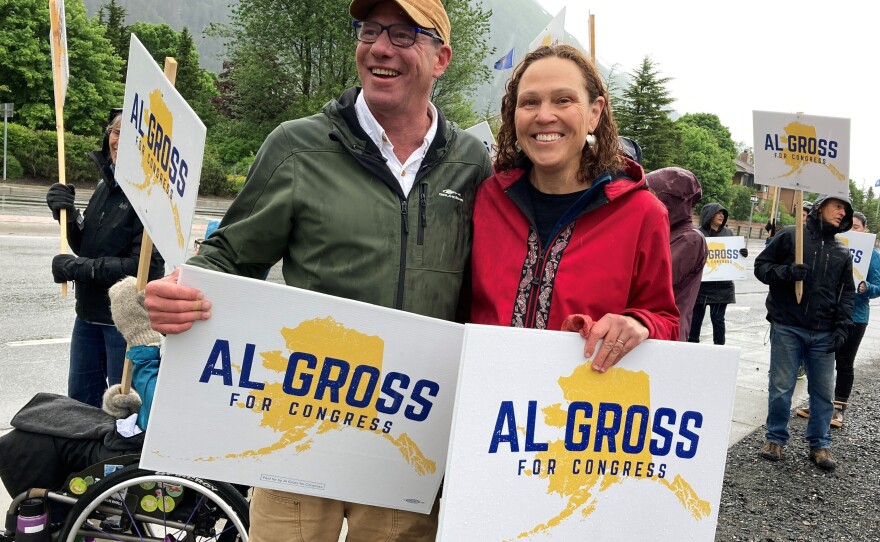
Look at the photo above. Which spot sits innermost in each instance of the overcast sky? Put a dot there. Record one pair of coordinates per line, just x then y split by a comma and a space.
730, 58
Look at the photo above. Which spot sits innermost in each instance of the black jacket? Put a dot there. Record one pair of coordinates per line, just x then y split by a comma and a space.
829, 290
718, 291
107, 244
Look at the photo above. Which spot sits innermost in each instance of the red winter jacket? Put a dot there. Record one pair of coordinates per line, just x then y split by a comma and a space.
612, 257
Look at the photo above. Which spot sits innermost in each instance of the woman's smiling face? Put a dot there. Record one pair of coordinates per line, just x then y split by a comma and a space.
554, 113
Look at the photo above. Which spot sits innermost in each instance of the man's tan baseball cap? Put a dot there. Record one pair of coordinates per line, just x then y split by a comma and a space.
425, 13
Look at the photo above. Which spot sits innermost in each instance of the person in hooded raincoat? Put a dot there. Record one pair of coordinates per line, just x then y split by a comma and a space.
714, 294
679, 190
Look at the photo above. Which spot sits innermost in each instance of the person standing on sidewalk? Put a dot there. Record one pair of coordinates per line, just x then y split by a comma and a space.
107, 242
679, 190
845, 357
716, 294
369, 200
805, 210
812, 330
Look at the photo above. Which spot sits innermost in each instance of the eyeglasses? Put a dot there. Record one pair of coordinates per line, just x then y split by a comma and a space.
401, 35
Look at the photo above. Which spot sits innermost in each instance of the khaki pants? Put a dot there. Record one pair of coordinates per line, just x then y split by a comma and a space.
277, 516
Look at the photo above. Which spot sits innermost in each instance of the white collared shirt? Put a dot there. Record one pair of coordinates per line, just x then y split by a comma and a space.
405, 173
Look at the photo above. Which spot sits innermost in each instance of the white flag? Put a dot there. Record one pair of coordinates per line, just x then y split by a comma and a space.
553, 33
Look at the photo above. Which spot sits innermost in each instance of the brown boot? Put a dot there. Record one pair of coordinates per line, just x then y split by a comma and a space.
837, 417
823, 459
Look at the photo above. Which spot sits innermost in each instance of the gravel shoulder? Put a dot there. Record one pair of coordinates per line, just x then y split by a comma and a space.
792, 499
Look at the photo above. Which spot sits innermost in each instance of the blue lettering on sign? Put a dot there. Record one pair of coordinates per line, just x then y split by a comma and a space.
856, 255
168, 157
601, 426
336, 379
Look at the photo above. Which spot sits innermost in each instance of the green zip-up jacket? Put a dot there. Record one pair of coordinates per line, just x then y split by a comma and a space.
320, 198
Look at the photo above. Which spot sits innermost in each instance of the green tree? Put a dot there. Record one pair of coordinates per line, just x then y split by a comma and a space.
711, 122
642, 113
453, 90
112, 18
305, 49
196, 85
740, 202
870, 209
713, 165
159, 39
26, 67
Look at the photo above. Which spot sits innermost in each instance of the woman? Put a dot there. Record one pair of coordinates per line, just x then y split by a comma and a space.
716, 294
107, 243
845, 356
565, 226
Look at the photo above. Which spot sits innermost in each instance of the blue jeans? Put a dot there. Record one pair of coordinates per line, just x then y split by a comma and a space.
97, 355
788, 346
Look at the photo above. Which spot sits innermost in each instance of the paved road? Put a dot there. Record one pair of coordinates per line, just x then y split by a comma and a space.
35, 322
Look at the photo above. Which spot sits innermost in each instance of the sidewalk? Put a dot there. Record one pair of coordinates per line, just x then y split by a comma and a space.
12, 193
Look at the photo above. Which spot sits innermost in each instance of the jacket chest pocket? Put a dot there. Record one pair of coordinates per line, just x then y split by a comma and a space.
441, 226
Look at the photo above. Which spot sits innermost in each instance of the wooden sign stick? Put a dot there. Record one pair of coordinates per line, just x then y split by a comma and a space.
146, 249
799, 242
58, 80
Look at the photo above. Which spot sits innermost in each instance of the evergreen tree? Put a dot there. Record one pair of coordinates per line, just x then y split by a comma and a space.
112, 18
642, 113
194, 84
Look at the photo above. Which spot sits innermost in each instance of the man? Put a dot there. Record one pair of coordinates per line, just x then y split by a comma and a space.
845, 357
716, 294
679, 190
369, 200
809, 331
805, 210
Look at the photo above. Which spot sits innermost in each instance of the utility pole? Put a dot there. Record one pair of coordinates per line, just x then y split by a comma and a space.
7, 109
754, 200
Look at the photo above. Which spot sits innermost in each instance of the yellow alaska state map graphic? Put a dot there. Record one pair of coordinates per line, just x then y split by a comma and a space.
797, 161
323, 337
619, 386
714, 263
154, 175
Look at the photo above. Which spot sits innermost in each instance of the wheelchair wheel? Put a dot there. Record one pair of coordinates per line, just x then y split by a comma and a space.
134, 504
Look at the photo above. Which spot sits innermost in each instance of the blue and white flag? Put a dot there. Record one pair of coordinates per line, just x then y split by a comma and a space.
876, 184
505, 62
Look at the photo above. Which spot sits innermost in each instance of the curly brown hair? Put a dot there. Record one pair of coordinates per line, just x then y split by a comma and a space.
604, 157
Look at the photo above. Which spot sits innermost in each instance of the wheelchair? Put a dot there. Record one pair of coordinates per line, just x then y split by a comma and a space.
117, 500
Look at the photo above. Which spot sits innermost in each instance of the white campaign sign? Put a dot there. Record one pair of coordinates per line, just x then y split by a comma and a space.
483, 132
860, 246
724, 261
302, 392
545, 448
161, 145
802, 152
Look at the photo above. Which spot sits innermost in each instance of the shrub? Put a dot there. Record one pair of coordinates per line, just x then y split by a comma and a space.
213, 181
37, 154
13, 167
